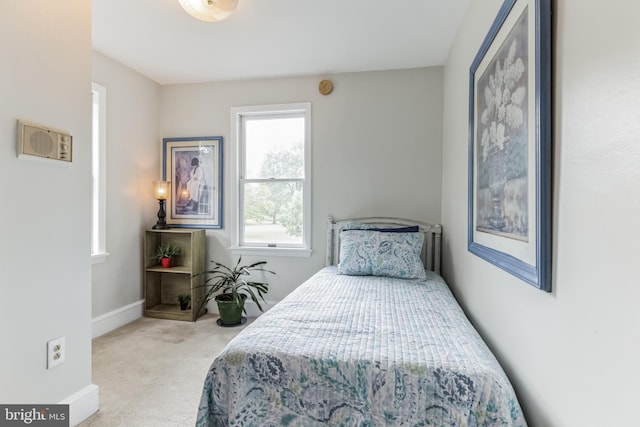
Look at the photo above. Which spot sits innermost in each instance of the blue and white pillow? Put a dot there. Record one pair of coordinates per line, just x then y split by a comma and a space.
379, 253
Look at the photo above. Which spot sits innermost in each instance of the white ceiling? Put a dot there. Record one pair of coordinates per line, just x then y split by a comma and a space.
275, 38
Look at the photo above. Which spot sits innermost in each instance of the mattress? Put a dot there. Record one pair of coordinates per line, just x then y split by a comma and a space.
360, 351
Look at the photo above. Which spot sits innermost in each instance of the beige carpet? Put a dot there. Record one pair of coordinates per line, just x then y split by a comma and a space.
151, 372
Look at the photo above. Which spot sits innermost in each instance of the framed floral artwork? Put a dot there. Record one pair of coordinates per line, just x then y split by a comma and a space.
194, 168
510, 150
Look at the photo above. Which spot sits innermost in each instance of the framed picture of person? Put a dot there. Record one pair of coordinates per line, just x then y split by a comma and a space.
193, 166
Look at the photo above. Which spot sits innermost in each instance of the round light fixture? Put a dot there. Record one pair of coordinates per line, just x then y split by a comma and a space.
209, 10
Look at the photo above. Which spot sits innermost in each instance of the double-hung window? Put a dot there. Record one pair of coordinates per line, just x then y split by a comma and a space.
273, 180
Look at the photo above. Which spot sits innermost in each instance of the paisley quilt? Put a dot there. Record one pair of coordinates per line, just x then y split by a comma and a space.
360, 351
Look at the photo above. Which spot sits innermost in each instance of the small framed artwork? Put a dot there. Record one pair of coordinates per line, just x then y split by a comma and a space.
510, 144
194, 168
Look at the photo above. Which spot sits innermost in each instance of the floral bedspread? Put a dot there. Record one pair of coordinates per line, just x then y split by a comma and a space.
360, 351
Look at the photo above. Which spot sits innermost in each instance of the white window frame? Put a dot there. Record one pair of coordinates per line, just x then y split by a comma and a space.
237, 196
99, 175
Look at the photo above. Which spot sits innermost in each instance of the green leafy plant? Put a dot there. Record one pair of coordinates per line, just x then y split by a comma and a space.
184, 299
166, 251
235, 282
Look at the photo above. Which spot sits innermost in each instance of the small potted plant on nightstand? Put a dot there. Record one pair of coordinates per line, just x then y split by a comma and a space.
235, 287
165, 253
184, 300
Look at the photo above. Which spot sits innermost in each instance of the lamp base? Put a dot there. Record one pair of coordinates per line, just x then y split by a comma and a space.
161, 224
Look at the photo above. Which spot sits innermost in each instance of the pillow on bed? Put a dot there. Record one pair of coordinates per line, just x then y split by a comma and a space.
354, 225
376, 253
410, 229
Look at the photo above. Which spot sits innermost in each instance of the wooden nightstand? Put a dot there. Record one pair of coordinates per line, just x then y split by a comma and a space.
162, 285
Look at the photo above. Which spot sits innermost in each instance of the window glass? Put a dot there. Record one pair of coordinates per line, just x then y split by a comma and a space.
274, 147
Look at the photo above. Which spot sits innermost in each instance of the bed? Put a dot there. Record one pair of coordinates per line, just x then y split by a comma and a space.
350, 348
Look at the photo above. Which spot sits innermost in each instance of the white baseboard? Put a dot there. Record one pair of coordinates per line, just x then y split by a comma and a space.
116, 318
250, 307
82, 404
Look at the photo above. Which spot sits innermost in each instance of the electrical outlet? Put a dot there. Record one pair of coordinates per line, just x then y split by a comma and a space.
55, 352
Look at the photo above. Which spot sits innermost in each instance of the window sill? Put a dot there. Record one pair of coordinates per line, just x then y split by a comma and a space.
99, 258
262, 251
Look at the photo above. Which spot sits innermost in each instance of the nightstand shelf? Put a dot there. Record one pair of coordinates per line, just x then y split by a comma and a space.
163, 285
180, 269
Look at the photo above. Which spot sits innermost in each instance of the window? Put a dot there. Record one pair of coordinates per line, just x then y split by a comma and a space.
273, 180
98, 174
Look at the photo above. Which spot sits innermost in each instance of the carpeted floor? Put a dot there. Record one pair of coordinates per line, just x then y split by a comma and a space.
151, 371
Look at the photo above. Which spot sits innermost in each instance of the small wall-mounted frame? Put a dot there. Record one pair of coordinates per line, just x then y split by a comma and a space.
44, 142
194, 168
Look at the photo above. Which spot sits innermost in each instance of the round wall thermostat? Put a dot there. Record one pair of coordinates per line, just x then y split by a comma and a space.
325, 87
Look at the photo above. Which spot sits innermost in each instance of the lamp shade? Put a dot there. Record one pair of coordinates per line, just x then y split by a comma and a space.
161, 189
209, 10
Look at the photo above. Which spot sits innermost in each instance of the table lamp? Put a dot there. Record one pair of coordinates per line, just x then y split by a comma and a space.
160, 191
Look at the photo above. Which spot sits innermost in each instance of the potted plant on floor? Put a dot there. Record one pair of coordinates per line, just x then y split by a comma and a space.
235, 286
184, 300
165, 253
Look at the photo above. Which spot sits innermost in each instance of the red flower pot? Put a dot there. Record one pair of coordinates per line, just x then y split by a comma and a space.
165, 262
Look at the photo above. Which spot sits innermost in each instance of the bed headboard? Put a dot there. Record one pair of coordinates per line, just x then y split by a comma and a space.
431, 251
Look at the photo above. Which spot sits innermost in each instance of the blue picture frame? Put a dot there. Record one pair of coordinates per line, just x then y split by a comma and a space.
193, 165
510, 144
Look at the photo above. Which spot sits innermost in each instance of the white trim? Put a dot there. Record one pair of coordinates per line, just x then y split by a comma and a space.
263, 251
82, 404
99, 258
114, 319
99, 162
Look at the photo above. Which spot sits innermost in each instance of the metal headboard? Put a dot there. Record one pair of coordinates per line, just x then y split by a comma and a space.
431, 251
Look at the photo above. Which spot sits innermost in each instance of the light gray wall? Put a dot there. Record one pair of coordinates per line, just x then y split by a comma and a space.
45, 284
133, 162
571, 354
376, 148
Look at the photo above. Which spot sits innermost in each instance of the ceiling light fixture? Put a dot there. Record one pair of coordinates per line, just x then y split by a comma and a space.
209, 10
